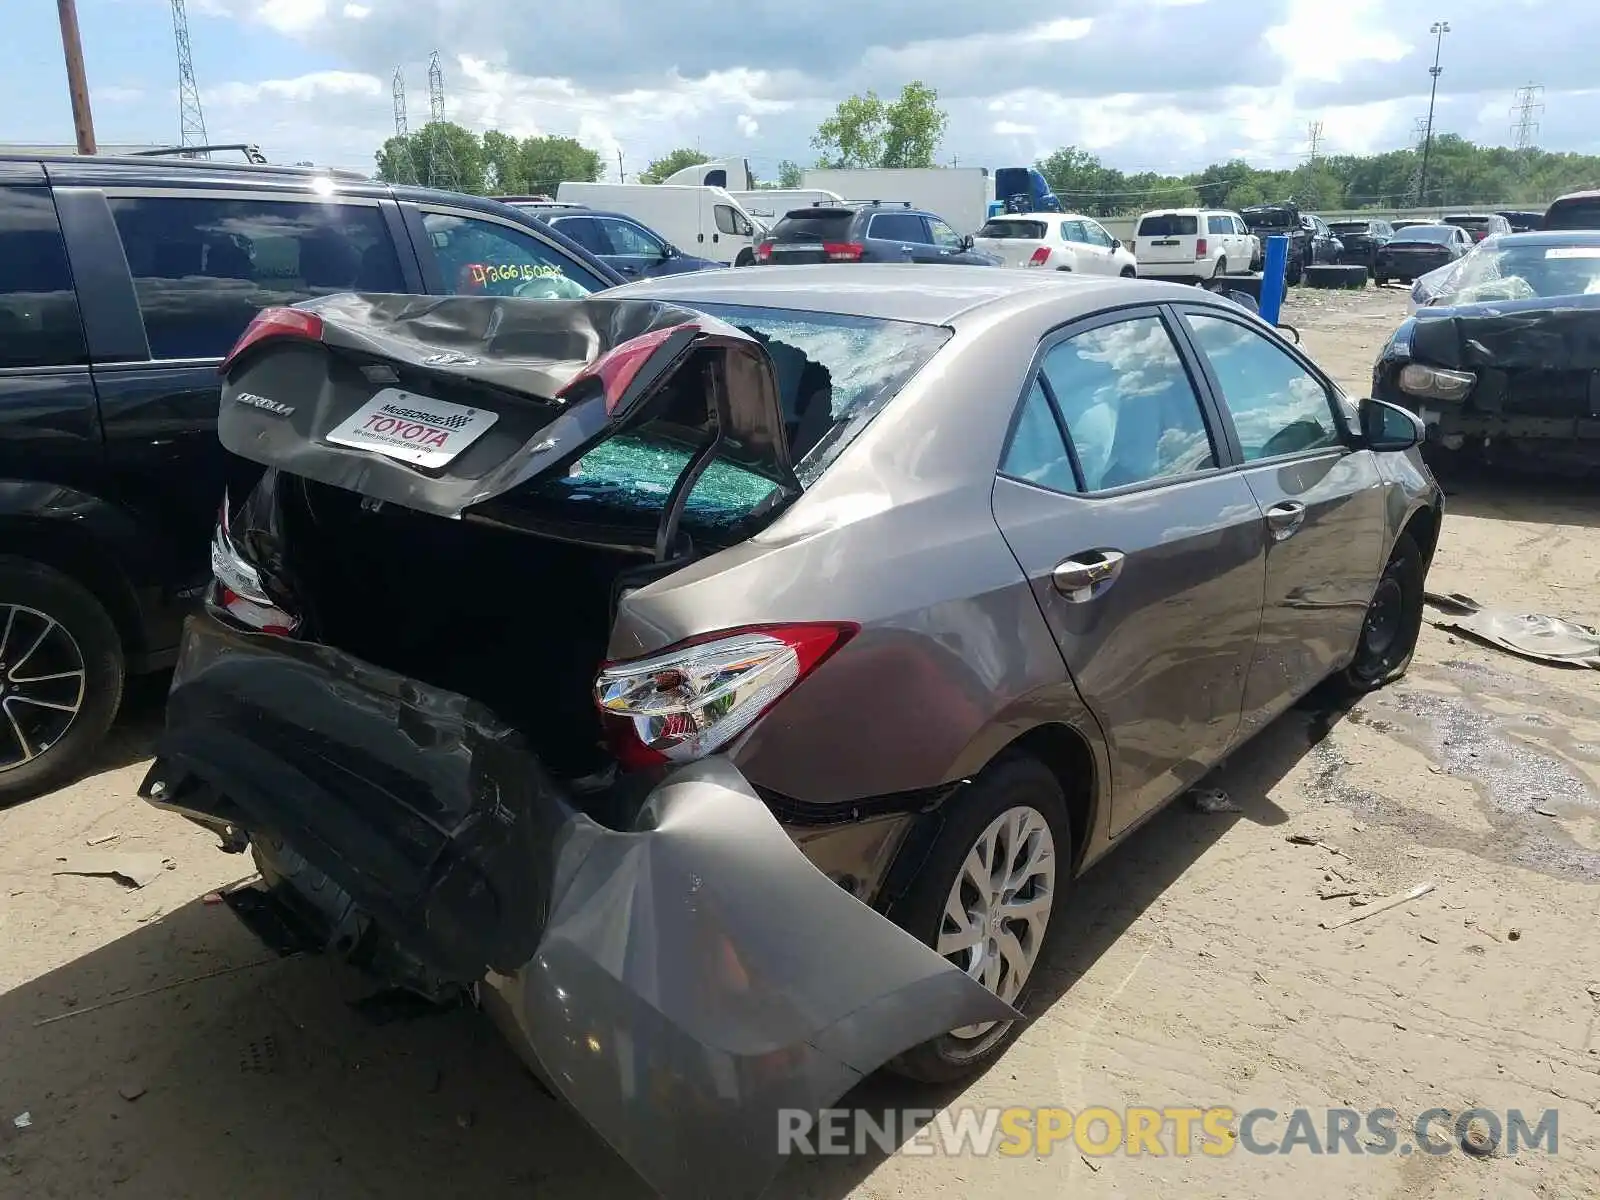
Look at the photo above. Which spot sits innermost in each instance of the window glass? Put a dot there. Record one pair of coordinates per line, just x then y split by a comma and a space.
1010, 227
1163, 225
730, 220
943, 235
487, 258
822, 225
1037, 453
627, 238
1096, 235
898, 227
39, 324
203, 268
1073, 231
1277, 406
586, 231
1131, 412
1219, 225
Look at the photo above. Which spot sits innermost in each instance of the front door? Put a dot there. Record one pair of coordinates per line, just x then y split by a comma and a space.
635, 251
1146, 559
1323, 506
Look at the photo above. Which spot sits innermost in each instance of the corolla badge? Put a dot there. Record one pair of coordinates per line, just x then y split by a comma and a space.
261, 402
449, 359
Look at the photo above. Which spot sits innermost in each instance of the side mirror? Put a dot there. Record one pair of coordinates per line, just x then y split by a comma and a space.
1388, 427
966, 241
669, 251
1116, 243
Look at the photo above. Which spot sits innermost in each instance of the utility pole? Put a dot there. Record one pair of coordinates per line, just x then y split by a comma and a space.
1438, 29
77, 84
622, 176
1314, 142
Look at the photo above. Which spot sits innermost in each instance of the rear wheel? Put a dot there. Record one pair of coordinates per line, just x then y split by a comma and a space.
1221, 270
991, 884
1129, 273
61, 676
746, 258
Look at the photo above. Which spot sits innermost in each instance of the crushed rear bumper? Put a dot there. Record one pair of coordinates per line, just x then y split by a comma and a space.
679, 982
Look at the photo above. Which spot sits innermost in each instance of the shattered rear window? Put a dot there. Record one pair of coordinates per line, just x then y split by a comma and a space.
835, 372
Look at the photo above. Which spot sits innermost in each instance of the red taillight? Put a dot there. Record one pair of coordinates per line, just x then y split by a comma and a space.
764, 251
693, 699
275, 322
238, 588
1199, 247
843, 251
1040, 257
618, 366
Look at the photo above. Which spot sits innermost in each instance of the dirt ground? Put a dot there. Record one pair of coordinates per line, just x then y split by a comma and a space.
160, 1054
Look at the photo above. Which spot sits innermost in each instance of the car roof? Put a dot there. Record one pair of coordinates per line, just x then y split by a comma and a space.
926, 293
1040, 216
1551, 237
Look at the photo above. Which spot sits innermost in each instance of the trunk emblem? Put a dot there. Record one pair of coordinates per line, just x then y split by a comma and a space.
261, 402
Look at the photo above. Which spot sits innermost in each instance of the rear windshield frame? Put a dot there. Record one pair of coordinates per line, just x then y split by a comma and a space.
1173, 225
805, 226
1037, 231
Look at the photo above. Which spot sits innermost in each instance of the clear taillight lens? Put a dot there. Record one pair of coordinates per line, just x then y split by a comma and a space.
691, 700
238, 589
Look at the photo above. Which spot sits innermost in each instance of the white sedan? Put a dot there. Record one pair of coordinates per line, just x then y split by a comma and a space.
1056, 242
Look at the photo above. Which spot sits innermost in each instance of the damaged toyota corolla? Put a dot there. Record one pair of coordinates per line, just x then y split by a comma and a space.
720, 680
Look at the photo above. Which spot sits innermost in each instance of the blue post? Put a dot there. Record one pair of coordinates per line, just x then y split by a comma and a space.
1274, 266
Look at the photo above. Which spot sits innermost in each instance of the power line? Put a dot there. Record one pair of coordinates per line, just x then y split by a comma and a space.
1525, 127
191, 120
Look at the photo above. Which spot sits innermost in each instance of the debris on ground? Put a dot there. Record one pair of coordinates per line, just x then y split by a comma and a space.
1212, 800
1538, 636
130, 870
22, 1120
1370, 910
102, 839
1306, 839
131, 1091
1477, 1138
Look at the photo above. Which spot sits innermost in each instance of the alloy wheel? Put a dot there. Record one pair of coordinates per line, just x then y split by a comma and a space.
42, 681
997, 911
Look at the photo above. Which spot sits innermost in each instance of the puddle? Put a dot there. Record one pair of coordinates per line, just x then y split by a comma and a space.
1514, 779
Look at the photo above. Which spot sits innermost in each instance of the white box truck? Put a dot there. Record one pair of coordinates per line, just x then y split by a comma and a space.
961, 195
704, 221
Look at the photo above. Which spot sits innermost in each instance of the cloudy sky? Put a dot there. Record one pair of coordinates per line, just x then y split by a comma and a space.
1162, 85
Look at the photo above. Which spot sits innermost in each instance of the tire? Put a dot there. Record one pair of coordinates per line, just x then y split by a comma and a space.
1294, 273
1221, 268
68, 633
1391, 628
1012, 783
1129, 273
1379, 280
745, 258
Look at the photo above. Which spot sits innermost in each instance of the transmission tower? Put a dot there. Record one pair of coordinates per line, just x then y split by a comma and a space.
442, 172
1314, 142
1525, 116
405, 169
1421, 131
191, 120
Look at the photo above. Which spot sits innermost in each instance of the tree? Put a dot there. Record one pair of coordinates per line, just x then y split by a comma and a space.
853, 136
671, 163
788, 174
548, 161
866, 132
502, 156
441, 154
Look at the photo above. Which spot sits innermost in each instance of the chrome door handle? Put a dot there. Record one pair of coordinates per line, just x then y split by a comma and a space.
1285, 518
1080, 579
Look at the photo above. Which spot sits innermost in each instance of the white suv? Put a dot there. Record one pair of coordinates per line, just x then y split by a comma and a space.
1192, 243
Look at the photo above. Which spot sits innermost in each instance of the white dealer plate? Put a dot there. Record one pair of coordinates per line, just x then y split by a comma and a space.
415, 429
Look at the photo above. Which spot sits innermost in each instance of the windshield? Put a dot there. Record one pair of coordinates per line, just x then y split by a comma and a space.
1032, 231
835, 372
1523, 273
1168, 225
1444, 234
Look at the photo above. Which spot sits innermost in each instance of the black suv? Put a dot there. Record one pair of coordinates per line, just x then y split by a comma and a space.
1362, 240
123, 283
867, 231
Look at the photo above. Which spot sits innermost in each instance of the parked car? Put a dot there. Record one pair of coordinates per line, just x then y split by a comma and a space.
1418, 249
1362, 240
1500, 359
1522, 222
1191, 244
1577, 210
672, 819
867, 232
625, 245
1069, 242
123, 282
1479, 225
1326, 248
706, 219
1282, 220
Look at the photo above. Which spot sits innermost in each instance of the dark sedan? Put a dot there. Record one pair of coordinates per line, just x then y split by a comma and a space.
1501, 360
1362, 240
622, 243
1418, 249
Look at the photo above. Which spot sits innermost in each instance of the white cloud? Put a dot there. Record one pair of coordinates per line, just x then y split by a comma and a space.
292, 16
748, 125
357, 12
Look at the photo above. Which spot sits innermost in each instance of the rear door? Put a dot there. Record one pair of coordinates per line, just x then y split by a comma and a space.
1146, 555
901, 233
1323, 504
1083, 255
1104, 250
466, 252
1167, 238
202, 263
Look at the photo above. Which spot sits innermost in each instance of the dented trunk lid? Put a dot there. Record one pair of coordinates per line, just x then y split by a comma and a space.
440, 404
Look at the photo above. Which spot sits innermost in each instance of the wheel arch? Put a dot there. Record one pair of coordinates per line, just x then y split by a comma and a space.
1423, 525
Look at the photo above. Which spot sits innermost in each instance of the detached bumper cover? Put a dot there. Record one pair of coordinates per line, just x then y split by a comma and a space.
679, 982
